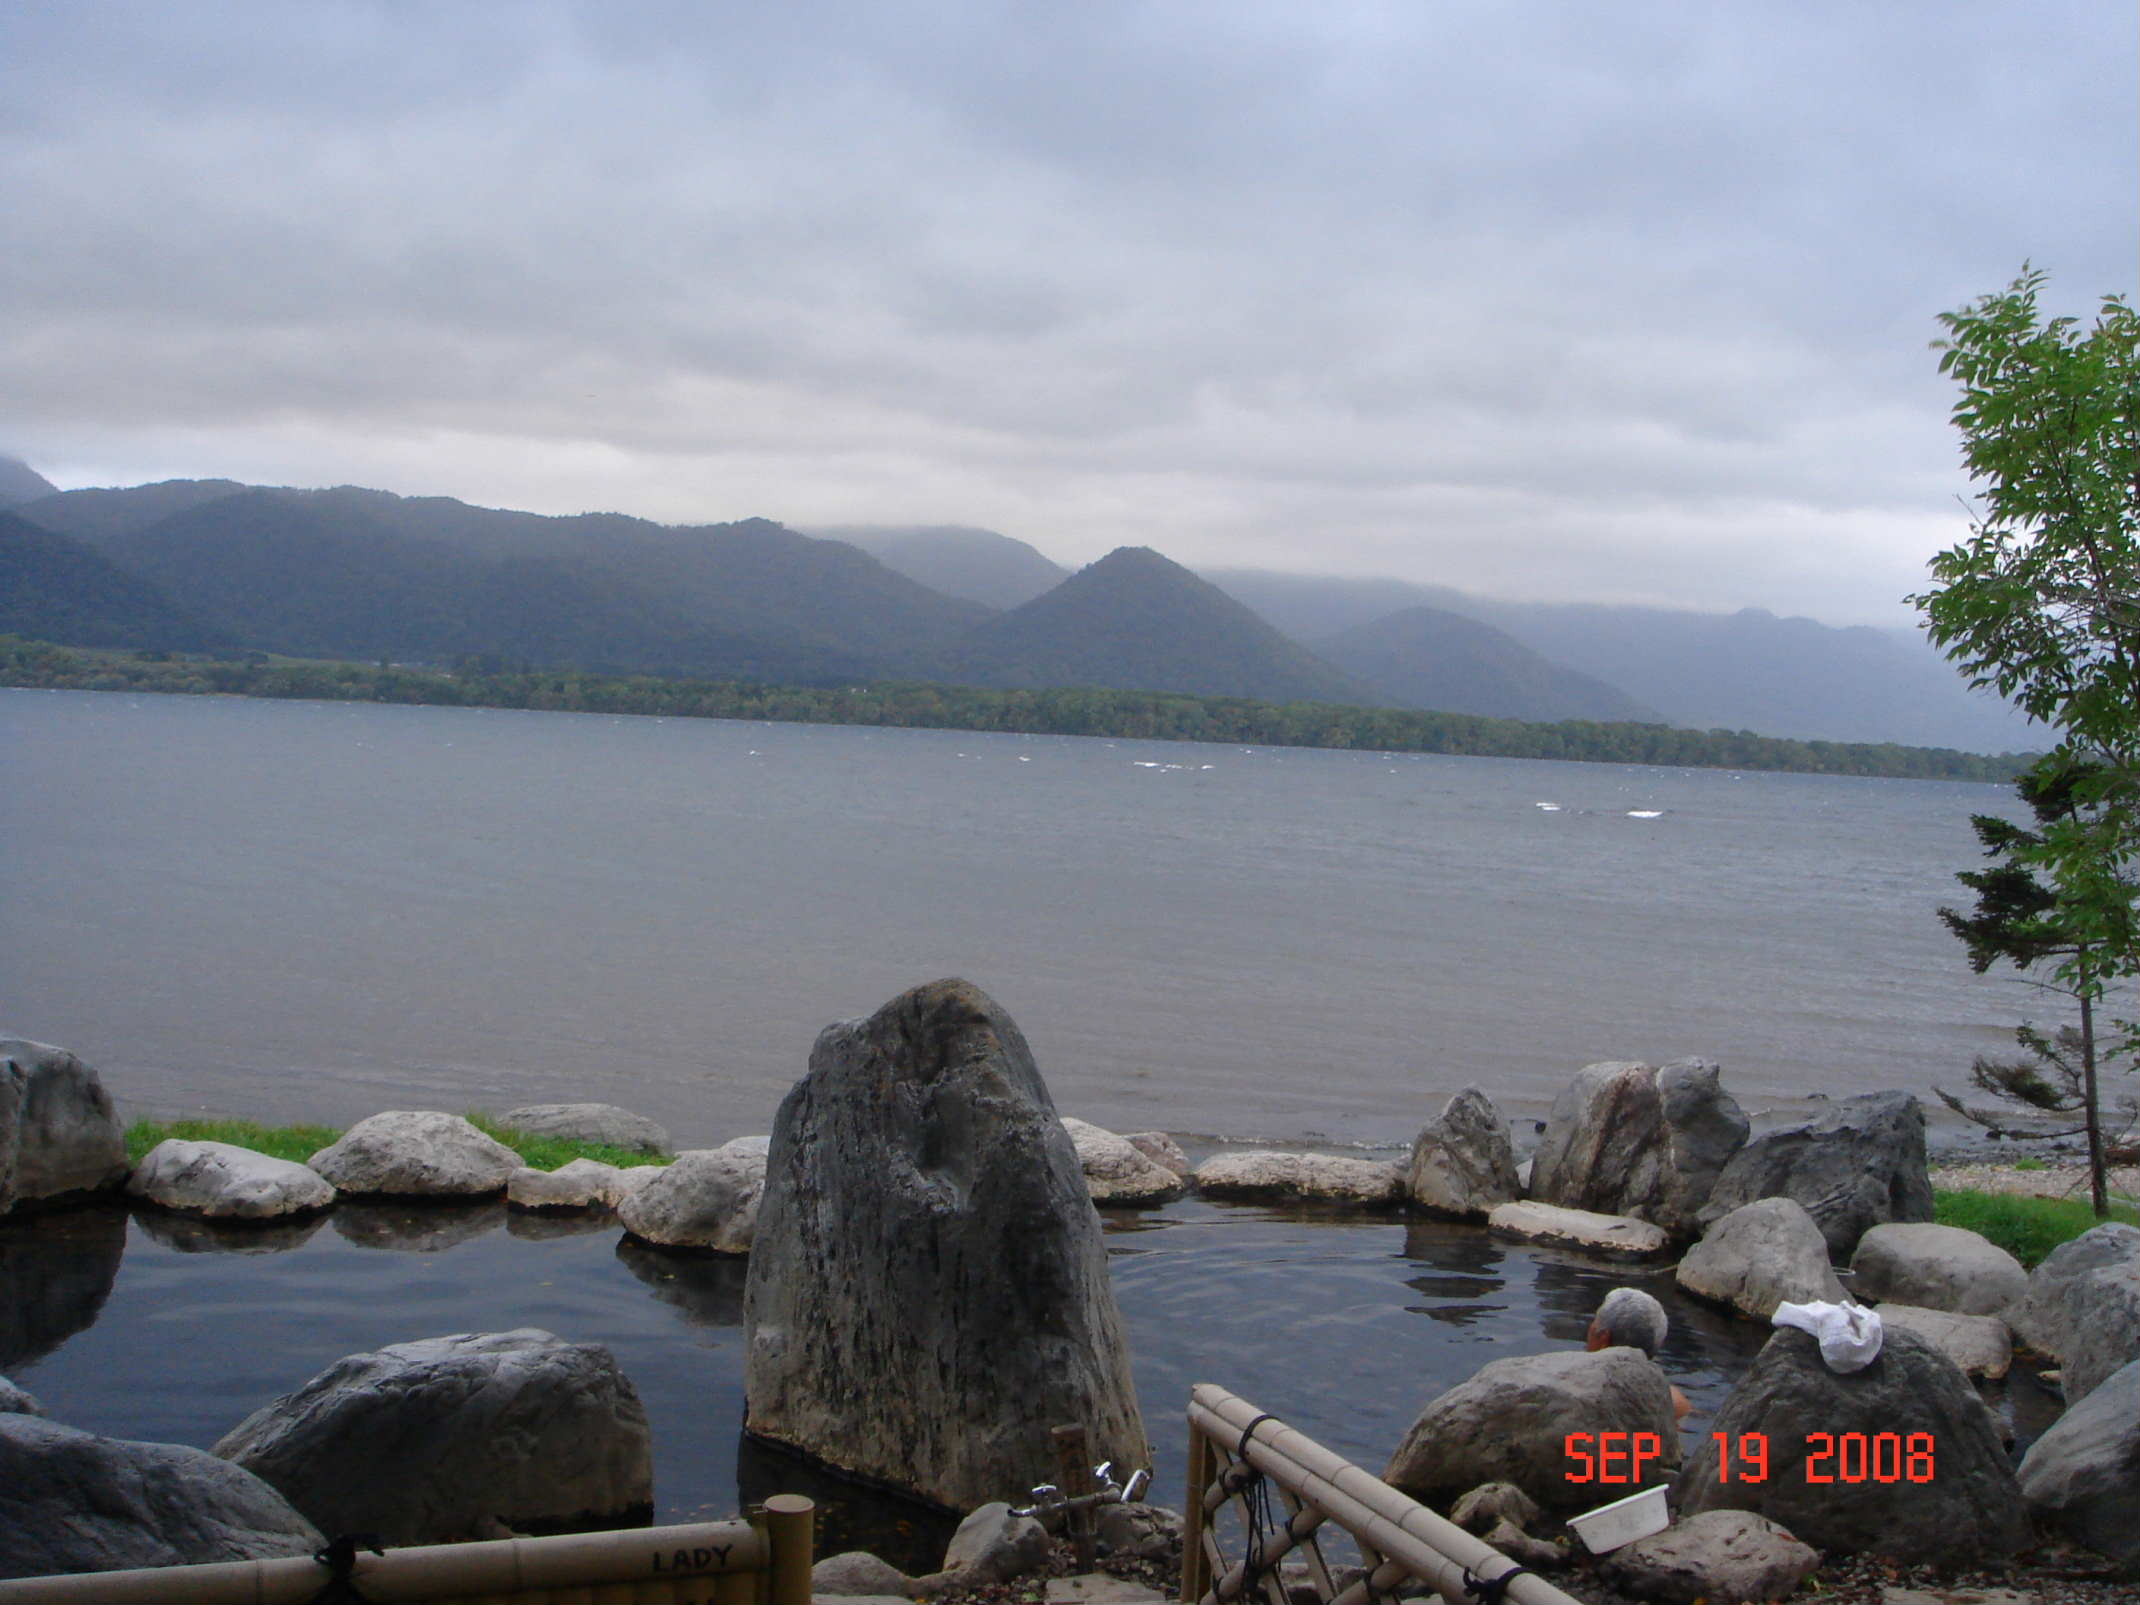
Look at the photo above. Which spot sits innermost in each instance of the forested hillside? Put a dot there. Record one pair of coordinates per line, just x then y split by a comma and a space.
1139, 715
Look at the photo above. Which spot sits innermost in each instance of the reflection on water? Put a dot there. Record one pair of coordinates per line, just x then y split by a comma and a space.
1342, 1326
707, 1289
56, 1271
1345, 1328
191, 1234
416, 1228
547, 1225
850, 1515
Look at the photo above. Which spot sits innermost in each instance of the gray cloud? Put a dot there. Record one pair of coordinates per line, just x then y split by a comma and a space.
1547, 299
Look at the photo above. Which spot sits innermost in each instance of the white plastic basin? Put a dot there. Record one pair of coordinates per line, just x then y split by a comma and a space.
1623, 1521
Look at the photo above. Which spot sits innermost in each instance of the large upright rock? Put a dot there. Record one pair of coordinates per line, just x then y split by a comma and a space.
455, 1438
1462, 1164
59, 1134
1956, 1504
928, 1290
1638, 1140
71, 1501
1859, 1163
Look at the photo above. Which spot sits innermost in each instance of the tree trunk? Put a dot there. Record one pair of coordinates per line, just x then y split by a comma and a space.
2096, 1187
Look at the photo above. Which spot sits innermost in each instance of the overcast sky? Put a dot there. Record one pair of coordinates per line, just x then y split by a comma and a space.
1549, 300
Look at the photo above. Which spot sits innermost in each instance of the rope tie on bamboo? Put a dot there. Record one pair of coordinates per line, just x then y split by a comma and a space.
340, 1559
1254, 1491
1492, 1590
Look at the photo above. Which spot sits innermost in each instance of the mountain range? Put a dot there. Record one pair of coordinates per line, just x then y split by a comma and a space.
217, 566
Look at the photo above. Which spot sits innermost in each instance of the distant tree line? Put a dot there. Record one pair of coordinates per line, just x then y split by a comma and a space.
1131, 715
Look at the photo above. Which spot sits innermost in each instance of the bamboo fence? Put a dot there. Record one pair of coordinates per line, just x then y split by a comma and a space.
762, 1561
1401, 1541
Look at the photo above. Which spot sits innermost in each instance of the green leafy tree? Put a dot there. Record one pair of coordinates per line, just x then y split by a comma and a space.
2020, 921
2041, 602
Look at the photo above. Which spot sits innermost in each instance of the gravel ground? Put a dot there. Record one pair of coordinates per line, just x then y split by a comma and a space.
2056, 1180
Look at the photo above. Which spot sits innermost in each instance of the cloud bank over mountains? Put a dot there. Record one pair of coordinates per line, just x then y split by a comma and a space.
1556, 302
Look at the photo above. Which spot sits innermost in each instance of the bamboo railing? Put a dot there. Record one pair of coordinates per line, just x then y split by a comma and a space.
1401, 1542
762, 1561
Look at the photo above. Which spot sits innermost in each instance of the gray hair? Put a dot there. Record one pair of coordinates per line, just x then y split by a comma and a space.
1630, 1318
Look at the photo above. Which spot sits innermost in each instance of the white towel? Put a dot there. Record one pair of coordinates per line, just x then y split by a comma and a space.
1849, 1334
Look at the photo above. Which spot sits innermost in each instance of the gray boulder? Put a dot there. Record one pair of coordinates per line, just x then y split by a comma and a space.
589, 1122
59, 1134
1978, 1344
1639, 1140
223, 1182
1492, 1503
2083, 1306
928, 1292
1967, 1511
704, 1198
1462, 1164
1265, 1176
1762, 1254
1607, 1236
14, 1401
2082, 1477
417, 1153
1511, 1423
1859, 1163
856, 1572
577, 1184
1722, 1557
1937, 1268
1161, 1150
1116, 1170
74, 1502
1148, 1532
452, 1438
994, 1546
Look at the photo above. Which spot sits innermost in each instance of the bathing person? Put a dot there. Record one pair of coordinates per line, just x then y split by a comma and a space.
1631, 1319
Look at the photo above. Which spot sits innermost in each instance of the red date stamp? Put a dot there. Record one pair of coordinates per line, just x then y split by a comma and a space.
1830, 1457
1611, 1456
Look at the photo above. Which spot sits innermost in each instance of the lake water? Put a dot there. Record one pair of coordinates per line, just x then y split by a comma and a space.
315, 911
318, 910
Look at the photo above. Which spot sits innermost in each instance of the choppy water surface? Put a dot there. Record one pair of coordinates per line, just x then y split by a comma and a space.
315, 911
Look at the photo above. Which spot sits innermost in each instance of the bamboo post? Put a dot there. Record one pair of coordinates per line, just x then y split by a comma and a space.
689, 1554
1073, 1460
1430, 1547
787, 1529
1195, 1564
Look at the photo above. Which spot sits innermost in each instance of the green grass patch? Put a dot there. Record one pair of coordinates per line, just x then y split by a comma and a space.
2029, 1164
2027, 1228
300, 1143
547, 1153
